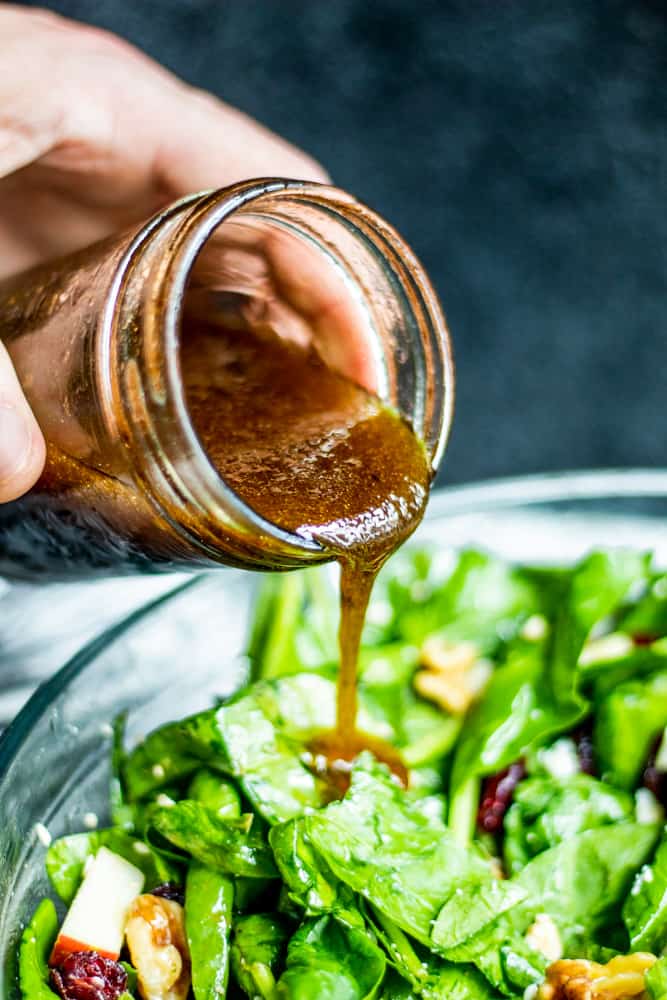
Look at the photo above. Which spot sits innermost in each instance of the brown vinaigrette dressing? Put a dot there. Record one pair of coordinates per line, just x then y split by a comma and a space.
314, 453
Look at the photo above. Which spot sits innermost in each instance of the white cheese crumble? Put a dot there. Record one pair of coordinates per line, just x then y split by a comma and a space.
534, 628
90, 821
609, 647
645, 875
647, 808
560, 760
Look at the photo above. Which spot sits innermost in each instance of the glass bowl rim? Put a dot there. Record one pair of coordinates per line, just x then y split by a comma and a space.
487, 495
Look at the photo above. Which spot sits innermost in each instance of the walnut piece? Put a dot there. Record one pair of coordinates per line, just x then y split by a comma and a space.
155, 935
453, 674
578, 979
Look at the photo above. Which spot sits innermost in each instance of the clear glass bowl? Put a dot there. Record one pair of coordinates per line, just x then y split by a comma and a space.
176, 655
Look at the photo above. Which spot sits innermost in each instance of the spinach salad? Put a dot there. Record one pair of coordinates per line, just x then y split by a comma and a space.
526, 858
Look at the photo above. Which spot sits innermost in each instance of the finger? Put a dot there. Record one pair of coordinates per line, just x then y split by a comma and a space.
114, 113
213, 145
22, 447
31, 114
323, 294
271, 279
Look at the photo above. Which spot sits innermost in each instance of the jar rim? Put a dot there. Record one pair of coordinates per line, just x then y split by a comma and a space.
207, 211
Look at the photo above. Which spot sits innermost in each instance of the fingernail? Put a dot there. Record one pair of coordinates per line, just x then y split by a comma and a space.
15, 442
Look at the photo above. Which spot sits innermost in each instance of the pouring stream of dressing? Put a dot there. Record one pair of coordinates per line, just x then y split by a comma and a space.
314, 453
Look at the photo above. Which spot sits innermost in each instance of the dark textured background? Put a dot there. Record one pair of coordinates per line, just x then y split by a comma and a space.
521, 149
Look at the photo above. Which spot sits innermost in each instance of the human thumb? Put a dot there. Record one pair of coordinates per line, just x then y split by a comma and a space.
22, 448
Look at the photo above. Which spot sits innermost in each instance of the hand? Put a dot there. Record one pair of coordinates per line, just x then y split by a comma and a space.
95, 136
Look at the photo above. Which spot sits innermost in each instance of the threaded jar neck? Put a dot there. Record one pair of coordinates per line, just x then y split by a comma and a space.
400, 349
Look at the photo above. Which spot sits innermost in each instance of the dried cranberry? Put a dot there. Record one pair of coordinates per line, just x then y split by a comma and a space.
86, 975
644, 638
169, 890
653, 779
497, 794
583, 741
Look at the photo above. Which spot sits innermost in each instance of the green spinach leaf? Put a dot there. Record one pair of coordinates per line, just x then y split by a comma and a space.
406, 864
601, 677
173, 752
547, 811
648, 617
309, 881
233, 846
215, 792
582, 882
471, 908
512, 719
599, 584
484, 599
36, 943
395, 987
501, 955
296, 624
536, 694
457, 982
645, 909
656, 980
419, 973
328, 960
264, 731
267, 762
628, 721
258, 952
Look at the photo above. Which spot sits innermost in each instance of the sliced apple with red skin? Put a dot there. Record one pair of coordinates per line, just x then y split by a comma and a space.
96, 919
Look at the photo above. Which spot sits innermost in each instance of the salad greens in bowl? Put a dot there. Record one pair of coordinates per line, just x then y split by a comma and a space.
166, 830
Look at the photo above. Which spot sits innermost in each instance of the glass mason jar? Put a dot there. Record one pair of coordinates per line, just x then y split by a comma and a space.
95, 339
